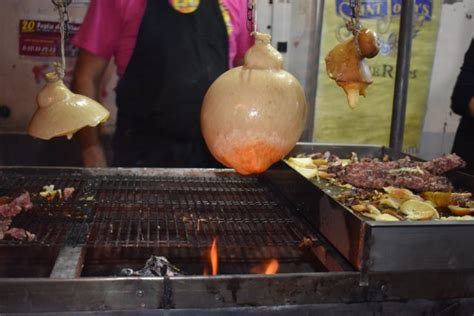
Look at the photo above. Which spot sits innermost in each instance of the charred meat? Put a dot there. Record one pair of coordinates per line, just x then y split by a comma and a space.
402, 173
9, 208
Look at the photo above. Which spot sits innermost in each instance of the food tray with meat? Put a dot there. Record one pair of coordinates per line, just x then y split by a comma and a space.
384, 210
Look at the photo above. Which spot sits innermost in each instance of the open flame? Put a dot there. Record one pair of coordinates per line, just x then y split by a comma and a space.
269, 267
214, 257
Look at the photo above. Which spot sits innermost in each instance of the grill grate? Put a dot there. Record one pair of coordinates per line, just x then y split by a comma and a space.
184, 212
173, 212
50, 221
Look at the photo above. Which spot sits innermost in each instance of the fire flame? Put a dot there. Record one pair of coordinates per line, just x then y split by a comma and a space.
214, 257
269, 267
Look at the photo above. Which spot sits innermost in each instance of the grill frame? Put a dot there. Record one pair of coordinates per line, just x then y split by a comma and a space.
65, 292
254, 222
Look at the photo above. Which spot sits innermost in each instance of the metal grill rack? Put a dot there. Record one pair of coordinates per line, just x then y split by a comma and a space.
125, 217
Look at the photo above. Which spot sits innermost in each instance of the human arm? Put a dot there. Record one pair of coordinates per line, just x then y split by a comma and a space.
462, 99
87, 79
97, 40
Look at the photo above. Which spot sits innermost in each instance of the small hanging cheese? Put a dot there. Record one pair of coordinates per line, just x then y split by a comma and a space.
61, 112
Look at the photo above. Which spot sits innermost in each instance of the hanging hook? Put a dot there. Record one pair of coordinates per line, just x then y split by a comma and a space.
252, 16
353, 25
61, 6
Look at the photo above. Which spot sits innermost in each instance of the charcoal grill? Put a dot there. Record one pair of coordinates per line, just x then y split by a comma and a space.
118, 218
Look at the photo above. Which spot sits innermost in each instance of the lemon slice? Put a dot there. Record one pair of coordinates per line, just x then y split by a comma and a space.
418, 210
444, 199
398, 193
391, 202
301, 162
373, 209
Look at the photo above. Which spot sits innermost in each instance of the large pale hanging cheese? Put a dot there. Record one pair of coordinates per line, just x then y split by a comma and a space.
62, 113
253, 115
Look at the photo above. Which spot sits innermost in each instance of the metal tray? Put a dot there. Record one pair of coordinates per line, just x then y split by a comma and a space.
378, 246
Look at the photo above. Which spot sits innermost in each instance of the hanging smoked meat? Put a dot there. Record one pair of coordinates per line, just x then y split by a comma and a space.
347, 65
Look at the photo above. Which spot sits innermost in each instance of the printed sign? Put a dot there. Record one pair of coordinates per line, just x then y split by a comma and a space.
42, 39
373, 9
370, 122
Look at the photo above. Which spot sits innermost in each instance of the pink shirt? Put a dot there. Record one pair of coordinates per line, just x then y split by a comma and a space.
110, 28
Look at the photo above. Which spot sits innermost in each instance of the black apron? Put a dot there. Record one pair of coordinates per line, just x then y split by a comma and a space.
464, 142
176, 58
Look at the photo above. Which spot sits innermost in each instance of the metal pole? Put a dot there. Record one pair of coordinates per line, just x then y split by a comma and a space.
312, 75
401, 79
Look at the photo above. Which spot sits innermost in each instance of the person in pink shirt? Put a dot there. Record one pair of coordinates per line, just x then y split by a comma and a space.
167, 53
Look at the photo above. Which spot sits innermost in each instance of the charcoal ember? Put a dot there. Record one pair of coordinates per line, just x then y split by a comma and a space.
154, 267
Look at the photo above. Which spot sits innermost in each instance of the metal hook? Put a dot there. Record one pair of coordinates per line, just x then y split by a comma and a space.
60, 3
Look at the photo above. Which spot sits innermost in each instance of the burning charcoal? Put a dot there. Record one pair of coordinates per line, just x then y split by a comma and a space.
154, 267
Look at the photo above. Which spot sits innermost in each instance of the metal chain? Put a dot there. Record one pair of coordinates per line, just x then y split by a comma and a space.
252, 16
353, 25
61, 6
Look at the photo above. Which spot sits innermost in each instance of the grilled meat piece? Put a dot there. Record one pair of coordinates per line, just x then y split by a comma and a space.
444, 164
9, 208
4, 226
13, 207
403, 173
67, 192
20, 234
